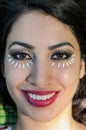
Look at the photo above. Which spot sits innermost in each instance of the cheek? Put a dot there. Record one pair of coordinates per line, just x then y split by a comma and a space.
68, 80
68, 77
14, 76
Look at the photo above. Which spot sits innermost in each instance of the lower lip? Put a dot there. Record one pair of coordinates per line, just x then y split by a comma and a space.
41, 103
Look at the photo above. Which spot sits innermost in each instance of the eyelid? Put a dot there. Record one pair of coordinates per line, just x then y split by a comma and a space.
67, 53
20, 51
16, 52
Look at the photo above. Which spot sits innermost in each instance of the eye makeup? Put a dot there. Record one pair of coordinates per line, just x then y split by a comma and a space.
20, 59
62, 59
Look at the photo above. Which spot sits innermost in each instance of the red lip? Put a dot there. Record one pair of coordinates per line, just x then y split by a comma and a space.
40, 103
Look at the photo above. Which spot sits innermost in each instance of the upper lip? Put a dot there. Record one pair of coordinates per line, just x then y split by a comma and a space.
45, 92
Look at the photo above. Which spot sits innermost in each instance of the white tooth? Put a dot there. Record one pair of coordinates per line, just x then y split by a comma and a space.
31, 95
48, 96
43, 98
34, 96
38, 97
52, 95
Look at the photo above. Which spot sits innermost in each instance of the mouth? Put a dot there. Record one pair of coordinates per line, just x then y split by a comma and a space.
40, 98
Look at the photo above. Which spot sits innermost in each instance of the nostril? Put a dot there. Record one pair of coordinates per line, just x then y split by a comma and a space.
31, 80
33, 84
40, 76
28, 78
38, 81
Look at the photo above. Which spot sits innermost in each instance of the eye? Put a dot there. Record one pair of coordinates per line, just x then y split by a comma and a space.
60, 56
20, 55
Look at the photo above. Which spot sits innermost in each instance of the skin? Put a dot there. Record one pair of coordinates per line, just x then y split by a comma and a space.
46, 31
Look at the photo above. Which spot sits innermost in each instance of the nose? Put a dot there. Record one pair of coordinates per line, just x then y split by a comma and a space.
40, 74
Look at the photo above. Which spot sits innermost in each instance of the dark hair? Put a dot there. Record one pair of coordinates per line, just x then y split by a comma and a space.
68, 12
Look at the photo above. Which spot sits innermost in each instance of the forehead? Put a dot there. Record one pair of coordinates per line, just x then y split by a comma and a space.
35, 28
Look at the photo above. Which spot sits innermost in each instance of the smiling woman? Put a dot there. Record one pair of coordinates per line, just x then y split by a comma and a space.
43, 56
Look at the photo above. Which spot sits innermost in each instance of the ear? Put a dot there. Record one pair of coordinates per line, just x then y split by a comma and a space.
82, 69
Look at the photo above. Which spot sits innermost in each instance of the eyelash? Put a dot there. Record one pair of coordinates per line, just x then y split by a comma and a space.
60, 56
18, 55
22, 59
62, 59
57, 56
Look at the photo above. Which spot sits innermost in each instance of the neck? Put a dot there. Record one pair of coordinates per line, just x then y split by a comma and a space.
63, 121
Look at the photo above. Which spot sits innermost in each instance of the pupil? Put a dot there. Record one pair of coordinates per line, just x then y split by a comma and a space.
21, 56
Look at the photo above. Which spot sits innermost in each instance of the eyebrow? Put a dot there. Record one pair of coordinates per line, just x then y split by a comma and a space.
28, 46
58, 45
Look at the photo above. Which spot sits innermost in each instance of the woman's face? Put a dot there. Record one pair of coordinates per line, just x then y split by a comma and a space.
42, 66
